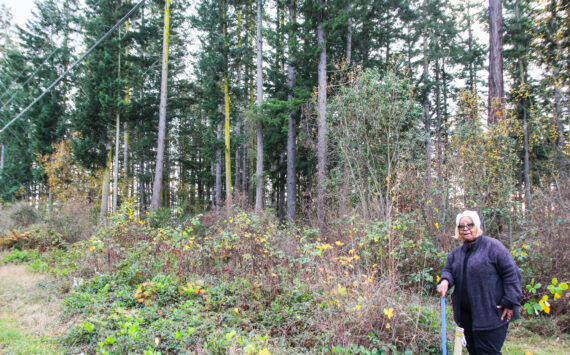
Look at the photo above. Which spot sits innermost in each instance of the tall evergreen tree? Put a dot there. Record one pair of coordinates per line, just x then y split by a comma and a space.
496, 89
322, 123
100, 85
259, 193
292, 126
518, 34
157, 187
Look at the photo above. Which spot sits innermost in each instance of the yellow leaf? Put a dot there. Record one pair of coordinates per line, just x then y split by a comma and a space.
387, 325
438, 278
236, 310
339, 243
264, 352
557, 296
389, 312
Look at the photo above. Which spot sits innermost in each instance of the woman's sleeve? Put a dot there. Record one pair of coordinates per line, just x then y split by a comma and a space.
509, 273
446, 273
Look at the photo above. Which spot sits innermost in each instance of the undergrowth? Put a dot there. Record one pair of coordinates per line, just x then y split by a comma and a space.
242, 283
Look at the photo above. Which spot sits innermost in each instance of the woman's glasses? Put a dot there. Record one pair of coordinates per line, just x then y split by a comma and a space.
468, 225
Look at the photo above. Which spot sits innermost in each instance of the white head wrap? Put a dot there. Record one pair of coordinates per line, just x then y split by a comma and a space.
471, 214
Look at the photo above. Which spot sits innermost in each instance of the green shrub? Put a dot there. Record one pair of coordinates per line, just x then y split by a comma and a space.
159, 218
21, 257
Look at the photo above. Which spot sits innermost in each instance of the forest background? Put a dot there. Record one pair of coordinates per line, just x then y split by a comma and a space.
283, 175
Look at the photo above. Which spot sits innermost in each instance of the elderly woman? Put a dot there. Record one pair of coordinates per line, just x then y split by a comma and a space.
487, 286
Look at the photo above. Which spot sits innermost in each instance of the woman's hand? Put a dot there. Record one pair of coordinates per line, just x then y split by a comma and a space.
506, 313
442, 288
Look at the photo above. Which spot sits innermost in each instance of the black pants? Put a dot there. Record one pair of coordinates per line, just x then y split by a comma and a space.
488, 342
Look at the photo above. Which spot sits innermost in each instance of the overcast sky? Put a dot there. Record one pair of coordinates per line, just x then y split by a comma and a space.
20, 9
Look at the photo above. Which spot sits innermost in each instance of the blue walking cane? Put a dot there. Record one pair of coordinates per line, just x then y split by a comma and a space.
443, 326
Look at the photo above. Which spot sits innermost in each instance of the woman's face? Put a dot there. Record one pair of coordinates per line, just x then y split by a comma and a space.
467, 229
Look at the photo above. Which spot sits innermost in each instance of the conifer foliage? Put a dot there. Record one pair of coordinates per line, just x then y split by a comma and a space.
263, 94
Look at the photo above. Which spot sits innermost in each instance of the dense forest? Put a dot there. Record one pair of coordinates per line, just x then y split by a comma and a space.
278, 141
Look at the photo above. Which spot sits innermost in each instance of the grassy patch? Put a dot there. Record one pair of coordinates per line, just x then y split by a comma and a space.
536, 345
14, 341
29, 312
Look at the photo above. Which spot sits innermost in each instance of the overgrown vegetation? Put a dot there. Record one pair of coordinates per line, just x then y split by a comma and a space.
243, 283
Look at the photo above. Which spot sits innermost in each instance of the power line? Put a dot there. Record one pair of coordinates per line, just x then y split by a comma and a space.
27, 81
105, 36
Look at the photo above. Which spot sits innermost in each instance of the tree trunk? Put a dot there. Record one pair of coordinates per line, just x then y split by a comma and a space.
343, 198
116, 161
117, 139
142, 187
496, 91
472, 69
125, 159
281, 186
259, 166
427, 117
527, 194
439, 119
349, 35
245, 167
561, 146
322, 126
212, 189
237, 168
2, 157
523, 108
292, 132
227, 151
155, 205
105, 187
228, 157
218, 197
125, 125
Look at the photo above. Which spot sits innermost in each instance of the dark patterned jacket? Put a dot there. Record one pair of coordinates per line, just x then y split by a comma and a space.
491, 278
